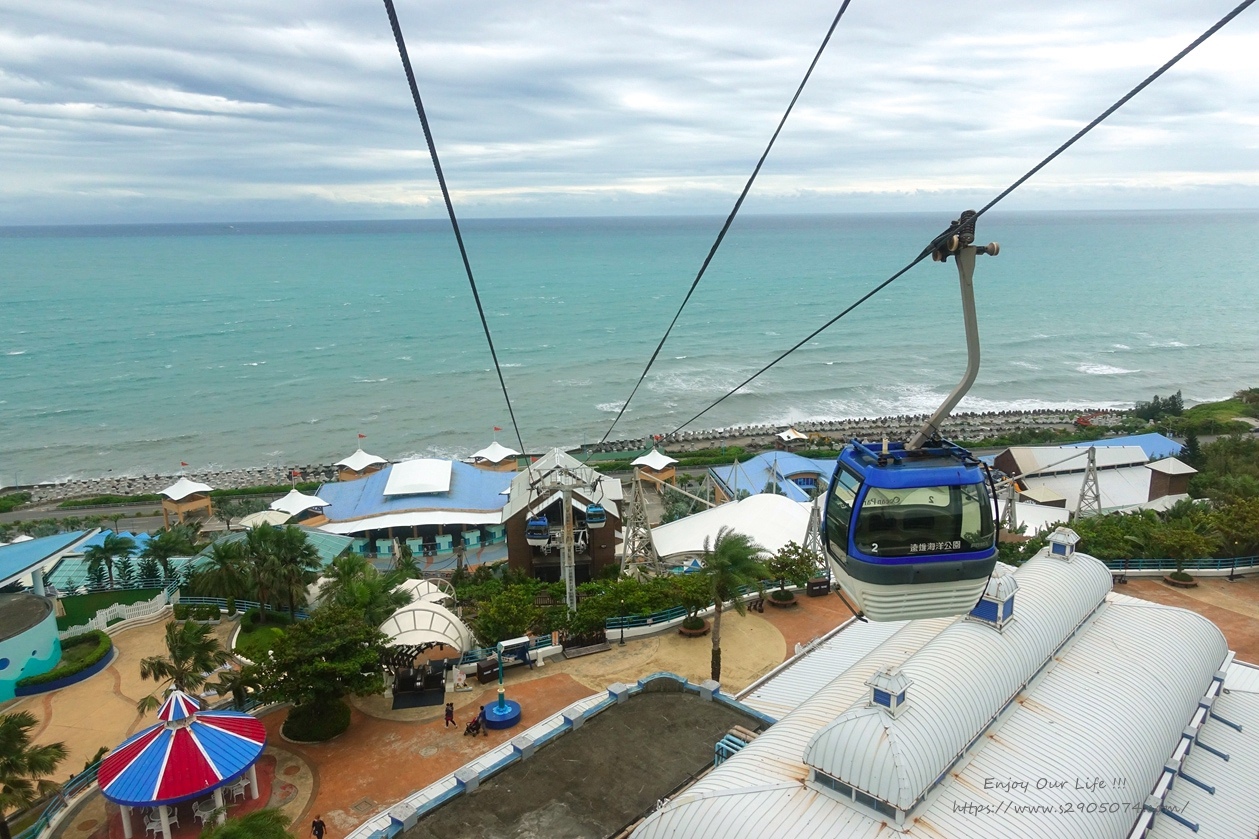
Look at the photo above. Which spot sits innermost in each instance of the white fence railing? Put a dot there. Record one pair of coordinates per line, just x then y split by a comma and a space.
117, 611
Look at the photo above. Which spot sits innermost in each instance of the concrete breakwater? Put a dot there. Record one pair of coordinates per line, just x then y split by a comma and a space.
962, 426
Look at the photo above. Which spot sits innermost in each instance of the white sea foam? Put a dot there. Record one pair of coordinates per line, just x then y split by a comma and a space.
1026, 365
370, 381
16, 352
1168, 344
512, 365
1121, 346
611, 407
1102, 369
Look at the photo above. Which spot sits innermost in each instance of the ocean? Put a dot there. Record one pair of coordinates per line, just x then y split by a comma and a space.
130, 349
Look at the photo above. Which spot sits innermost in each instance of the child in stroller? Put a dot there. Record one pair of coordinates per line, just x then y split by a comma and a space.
473, 727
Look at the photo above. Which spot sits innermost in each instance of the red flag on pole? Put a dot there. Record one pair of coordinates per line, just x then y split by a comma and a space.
181, 463
496, 428
362, 436
296, 472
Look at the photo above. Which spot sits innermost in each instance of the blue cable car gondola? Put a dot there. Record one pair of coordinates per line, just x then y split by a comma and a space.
910, 527
595, 516
538, 531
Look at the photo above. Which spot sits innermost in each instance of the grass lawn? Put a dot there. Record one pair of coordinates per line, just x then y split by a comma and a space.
75, 654
82, 608
256, 644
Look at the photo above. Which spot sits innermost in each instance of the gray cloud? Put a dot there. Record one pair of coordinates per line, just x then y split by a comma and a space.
140, 111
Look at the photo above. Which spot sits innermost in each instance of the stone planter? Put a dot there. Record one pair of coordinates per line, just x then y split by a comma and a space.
781, 604
695, 633
1180, 583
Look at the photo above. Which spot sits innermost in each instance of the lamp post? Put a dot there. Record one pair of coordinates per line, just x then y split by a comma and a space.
622, 641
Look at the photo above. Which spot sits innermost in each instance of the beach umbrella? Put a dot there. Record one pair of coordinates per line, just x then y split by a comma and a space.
275, 517
189, 753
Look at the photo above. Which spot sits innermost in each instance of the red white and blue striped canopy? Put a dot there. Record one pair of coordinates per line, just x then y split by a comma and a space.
178, 706
182, 758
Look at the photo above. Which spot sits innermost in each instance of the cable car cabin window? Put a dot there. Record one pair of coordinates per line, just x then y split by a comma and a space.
839, 508
924, 520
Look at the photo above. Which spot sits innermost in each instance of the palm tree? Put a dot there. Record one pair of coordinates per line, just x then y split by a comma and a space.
730, 562
23, 765
112, 547
165, 545
191, 651
352, 581
222, 572
237, 683
296, 564
260, 824
260, 565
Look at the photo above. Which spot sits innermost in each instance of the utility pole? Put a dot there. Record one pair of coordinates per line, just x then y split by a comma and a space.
638, 550
568, 559
813, 536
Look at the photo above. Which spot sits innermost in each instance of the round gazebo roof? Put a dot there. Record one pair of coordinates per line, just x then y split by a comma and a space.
296, 502
191, 753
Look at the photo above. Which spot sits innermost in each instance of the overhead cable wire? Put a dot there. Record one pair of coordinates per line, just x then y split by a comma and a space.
938, 240
730, 218
450, 209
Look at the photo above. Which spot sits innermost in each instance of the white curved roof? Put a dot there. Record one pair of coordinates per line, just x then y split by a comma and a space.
427, 590
962, 680
265, 517
791, 434
420, 623
770, 520
495, 453
183, 488
296, 502
654, 459
419, 476
359, 461
1112, 704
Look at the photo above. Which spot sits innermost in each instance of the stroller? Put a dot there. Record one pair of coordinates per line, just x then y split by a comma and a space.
473, 728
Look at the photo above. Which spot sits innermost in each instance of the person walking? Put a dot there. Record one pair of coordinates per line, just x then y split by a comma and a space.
450, 714
317, 827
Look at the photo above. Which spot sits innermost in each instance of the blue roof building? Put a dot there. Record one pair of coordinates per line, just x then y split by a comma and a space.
1155, 446
22, 558
784, 473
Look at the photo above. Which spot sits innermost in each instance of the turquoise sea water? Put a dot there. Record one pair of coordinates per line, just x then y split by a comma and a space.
130, 349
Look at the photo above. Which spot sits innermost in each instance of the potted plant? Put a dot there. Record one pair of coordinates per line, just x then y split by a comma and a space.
693, 626
694, 594
791, 563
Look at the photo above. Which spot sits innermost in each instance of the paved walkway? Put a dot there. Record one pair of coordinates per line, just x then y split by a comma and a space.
1233, 607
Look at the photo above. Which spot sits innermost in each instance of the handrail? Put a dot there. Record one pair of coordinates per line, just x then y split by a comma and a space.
1208, 564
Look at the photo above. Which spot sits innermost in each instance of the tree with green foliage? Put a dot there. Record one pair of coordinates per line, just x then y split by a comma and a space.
233, 509
24, 765
112, 548
318, 661
260, 824
237, 684
510, 613
222, 572
165, 545
126, 572
191, 650
354, 583
793, 564
1238, 527
731, 561
296, 565
147, 570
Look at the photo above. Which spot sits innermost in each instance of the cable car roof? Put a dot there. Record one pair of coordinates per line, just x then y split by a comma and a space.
903, 470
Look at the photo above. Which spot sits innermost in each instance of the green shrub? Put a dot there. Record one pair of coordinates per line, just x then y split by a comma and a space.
10, 502
692, 623
231, 607
181, 611
74, 659
317, 722
782, 596
252, 621
1181, 577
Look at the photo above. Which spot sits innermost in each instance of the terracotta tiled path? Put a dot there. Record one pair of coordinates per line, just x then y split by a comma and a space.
1233, 607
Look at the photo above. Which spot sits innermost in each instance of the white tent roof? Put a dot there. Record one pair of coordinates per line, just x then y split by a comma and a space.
416, 518
425, 622
295, 502
416, 477
495, 453
654, 459
427, 590
360, 460
265, 517
791, 434
183, 488
770, 520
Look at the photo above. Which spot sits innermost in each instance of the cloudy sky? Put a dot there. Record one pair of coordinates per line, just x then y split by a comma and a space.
138, 110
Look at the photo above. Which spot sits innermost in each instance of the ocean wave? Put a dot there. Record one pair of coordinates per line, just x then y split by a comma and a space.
1162, 345
1121, 346
1026, 365
16, 352
370, 381
1102, 369
511, 365
611, 407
